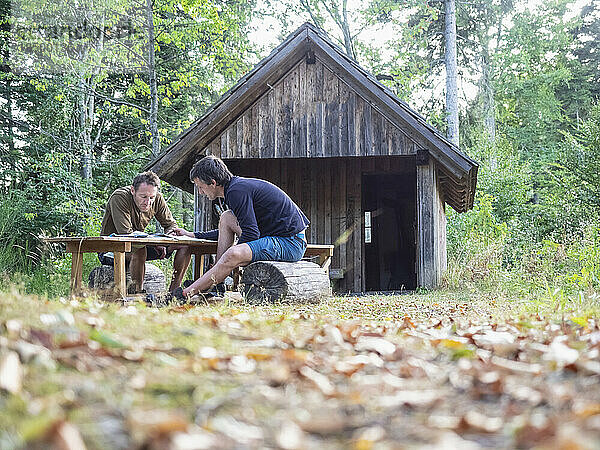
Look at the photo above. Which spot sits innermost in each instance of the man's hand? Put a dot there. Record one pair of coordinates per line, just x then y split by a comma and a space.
182, 232
162, 251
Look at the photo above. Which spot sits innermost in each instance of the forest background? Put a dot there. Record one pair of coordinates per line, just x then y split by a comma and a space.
91, 91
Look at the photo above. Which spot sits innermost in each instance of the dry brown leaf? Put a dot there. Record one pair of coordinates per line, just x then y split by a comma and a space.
536, 431
156, 422
584, 410
259, 356
476, 421
324, 422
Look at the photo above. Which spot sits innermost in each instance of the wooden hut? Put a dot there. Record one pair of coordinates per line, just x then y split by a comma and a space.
372, 176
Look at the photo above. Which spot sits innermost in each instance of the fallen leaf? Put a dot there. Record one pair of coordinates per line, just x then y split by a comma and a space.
276, 374
105, 339
13, 328
476, 421
585, 410
196, 440
27, 351
11, 373
418, 398
444, 422
320, 380
290, 436
240, 432
242, 364
65, 436
516, 366
156, 421
560, 353
375, 344
324, 422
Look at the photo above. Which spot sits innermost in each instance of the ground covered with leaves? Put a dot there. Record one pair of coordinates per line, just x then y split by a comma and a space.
433, 370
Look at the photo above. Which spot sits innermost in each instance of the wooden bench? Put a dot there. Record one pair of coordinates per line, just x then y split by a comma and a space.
120, 245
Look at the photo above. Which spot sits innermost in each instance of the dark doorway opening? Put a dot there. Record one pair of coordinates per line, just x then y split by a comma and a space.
389, 221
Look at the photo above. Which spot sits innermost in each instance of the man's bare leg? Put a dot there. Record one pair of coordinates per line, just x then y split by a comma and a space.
137, 267
229, 228
236, 256
183, 255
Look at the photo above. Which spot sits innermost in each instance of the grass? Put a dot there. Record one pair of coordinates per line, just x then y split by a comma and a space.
153, 360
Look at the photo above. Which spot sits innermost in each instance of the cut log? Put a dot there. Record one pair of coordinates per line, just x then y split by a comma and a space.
103, 277
273, 281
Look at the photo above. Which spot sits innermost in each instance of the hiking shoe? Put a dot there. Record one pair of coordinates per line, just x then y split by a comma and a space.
178, 295
218, 290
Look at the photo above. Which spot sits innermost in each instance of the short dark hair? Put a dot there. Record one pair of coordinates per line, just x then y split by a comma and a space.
145, 177
211, 168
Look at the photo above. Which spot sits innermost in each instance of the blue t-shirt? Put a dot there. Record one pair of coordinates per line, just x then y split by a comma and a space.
262, 209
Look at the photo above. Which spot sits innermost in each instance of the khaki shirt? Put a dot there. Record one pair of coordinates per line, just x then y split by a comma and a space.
122, 216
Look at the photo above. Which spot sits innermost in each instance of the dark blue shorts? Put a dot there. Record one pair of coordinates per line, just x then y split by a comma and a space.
277, 248
108, 259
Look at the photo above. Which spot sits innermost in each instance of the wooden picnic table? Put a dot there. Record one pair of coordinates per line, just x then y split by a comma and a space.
120, 245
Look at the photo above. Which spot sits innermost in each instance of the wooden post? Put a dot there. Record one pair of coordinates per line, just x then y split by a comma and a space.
76, 272
431, 226
120, 275
198, 265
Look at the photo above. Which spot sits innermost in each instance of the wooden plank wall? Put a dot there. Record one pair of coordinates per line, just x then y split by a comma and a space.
329, 193
311, 112
431, 230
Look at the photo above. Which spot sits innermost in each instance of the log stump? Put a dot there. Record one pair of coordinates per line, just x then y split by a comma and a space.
273, 281
103, 277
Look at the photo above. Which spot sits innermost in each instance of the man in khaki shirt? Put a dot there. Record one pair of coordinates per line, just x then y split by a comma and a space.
130, 209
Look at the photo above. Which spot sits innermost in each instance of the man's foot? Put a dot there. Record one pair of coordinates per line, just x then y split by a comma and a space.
132, 289
178, 295
218, 290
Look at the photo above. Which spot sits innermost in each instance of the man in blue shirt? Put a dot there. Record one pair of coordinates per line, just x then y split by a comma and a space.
268, 224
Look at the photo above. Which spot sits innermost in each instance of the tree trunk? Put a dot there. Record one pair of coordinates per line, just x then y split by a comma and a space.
489, 104
153, 119
87, 107
346, 31
85, 125
451, 72
10, 118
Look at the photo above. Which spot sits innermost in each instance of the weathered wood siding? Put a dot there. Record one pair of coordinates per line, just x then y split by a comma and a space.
431, 221
311, 112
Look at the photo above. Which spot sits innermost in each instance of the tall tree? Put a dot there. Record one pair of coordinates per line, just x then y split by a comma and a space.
451, 71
